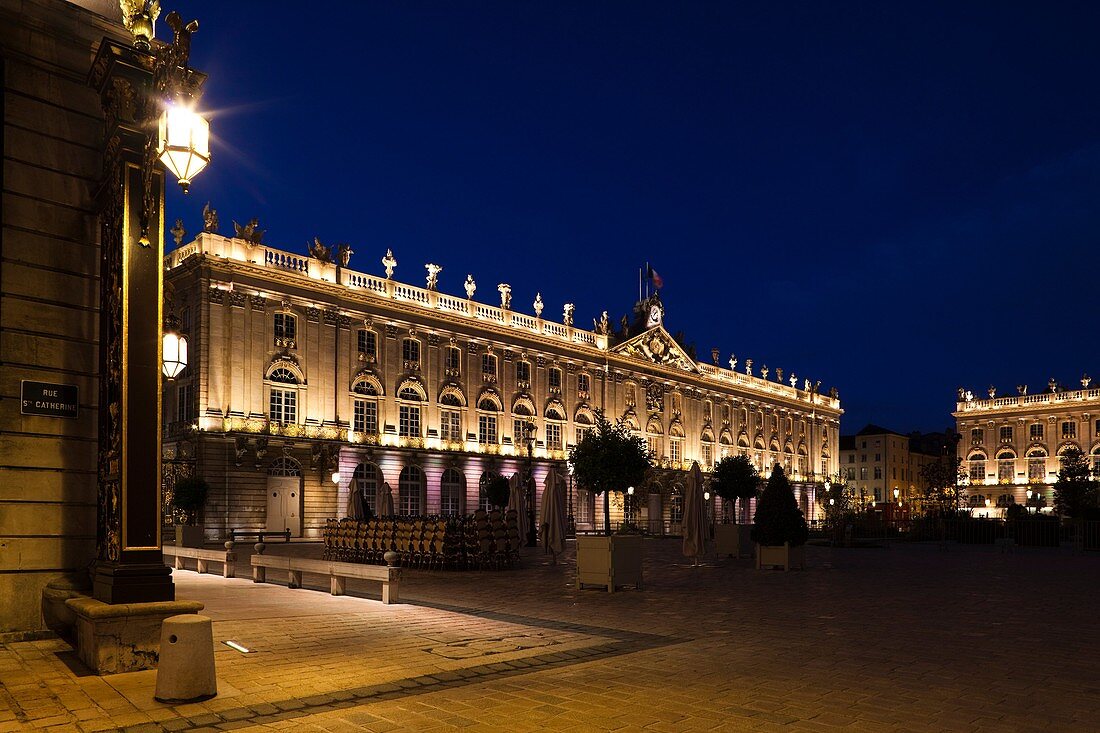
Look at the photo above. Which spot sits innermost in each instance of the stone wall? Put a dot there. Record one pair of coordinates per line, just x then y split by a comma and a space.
51, 134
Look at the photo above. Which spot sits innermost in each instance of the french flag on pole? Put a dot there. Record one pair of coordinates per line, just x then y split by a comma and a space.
657, 280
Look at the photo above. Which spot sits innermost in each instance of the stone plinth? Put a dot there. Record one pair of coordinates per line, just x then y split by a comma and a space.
123, 637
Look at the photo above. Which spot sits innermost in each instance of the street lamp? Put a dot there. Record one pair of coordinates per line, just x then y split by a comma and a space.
148, 94
1029, 495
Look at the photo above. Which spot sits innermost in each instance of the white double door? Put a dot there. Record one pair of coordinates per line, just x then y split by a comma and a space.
284, 501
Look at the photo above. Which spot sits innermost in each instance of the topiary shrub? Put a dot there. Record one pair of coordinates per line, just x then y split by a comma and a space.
497, 491
778, 518
189, 497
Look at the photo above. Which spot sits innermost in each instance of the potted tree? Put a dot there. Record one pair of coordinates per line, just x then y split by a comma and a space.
779, 529
188, 498
733, 478
609, 458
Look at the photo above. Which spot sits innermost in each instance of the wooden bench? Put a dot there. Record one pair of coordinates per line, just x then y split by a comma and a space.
203, 556
338, 572
234, 534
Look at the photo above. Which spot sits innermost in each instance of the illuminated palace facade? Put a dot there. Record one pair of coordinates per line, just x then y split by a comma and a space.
1010, 444
308, 379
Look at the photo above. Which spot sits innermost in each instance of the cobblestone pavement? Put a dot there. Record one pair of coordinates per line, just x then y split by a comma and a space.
909, 638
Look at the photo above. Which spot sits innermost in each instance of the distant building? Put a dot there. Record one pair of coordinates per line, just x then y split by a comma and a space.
877, 461
1010, 443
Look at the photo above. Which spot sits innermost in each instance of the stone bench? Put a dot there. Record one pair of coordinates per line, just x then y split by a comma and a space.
338, 573
202, 557
236, 534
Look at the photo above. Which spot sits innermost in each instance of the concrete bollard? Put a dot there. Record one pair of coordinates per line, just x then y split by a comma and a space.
186, 670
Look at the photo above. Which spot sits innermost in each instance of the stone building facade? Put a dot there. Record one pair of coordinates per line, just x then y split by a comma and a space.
876, 461
1010, 444
301, 368
52, 133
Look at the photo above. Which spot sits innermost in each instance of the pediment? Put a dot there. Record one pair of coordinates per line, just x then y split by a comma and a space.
657, 346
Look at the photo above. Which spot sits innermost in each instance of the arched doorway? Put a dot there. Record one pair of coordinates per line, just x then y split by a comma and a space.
367, 478
452, 492
410, 491
284, 496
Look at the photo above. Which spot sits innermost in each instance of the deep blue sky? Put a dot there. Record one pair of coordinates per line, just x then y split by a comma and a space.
895, 199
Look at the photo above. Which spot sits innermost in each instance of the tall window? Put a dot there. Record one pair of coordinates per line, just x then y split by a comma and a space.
523, 371
283, 405
676, 505
1006, 468
675, 452
487, 429
554, 378
410, 352
1069, 429
367, 342
553, 436
878, 472
450, 425
286, 330
1035, 431
482, 495
453, 359
185, 402
451, 488
977, 470
410, 487
1006, 433
489, 366
977, 435
408, 423
583, 382
708, 454
365, 417
1036, 468
653, 444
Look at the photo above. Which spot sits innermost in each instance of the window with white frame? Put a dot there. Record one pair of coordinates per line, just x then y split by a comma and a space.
408, 422
653, 444
675, 450
364, 418
553, 436
283, 405
450, 425
708, 454
487, 429
185, 402
365, 480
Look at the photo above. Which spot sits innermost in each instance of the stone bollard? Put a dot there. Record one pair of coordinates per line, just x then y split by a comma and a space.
186, 670
259, 573
230, 558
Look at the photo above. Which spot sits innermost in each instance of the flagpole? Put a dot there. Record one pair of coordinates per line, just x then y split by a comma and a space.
647, 279
639, 285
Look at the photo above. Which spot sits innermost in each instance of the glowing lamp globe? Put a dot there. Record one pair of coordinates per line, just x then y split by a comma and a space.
184, 143
173, 350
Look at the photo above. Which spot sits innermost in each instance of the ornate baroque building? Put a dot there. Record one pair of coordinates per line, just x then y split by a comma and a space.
301, 368
1010, 444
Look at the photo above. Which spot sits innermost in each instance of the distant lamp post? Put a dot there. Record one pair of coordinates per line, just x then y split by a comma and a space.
529, 430
173, 348
148, 93
1030, 493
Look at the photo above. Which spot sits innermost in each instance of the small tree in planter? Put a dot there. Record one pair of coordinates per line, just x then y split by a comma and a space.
189, 498
609, 458
733, 478
1075, 492
779, 530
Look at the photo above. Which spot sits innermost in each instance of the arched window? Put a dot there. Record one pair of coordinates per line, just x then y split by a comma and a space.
452, 490
482, 496
977, 467
284, 466
488, 418
410, 491
555, 418
366, 480
451, 400
410, 395
284, 383
364, 416
1006, 466
1037, 465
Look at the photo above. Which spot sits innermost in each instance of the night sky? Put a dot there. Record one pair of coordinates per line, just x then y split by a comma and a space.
894, 199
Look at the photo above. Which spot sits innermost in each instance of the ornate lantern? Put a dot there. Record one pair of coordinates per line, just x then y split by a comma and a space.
173, 348
184, 142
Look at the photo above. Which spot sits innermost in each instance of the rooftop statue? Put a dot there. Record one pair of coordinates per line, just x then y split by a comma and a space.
209, 219
471, 287
250, 232
389, 262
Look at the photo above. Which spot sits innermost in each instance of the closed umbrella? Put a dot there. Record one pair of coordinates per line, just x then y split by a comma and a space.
552, 519
385, 501
355, 505
694, 522
517, 501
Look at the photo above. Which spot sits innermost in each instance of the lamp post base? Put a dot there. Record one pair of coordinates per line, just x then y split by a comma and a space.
133, 583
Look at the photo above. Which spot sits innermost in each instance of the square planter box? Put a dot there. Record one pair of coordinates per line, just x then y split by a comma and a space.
780, 556
188, 536
732, 540
609, 561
